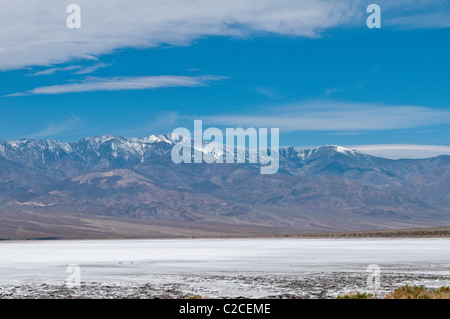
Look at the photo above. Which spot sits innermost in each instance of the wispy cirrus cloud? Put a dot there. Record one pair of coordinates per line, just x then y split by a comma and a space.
52, 71
267, 91
92, 84
335, 116
158, 123
92, 68
54, 128
78, 69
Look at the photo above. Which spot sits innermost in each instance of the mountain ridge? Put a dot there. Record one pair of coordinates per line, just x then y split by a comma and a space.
325, 188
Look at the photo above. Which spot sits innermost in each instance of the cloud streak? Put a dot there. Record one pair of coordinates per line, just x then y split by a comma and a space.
92, 68
78, 69
414, 14
53, 129
92, 84
398, 151
335, 116
52, 71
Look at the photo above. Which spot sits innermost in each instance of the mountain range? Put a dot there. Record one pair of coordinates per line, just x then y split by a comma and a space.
112, 186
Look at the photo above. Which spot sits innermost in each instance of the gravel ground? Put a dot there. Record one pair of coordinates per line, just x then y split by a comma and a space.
312, 285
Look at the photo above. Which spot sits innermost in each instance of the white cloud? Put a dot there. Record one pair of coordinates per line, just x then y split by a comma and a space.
123, 83
35, 32
335, 116
398, 151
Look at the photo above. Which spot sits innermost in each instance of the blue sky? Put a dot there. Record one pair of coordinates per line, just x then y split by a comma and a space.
329, 82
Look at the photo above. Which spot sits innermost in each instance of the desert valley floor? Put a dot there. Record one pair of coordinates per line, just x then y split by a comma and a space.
219, 268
